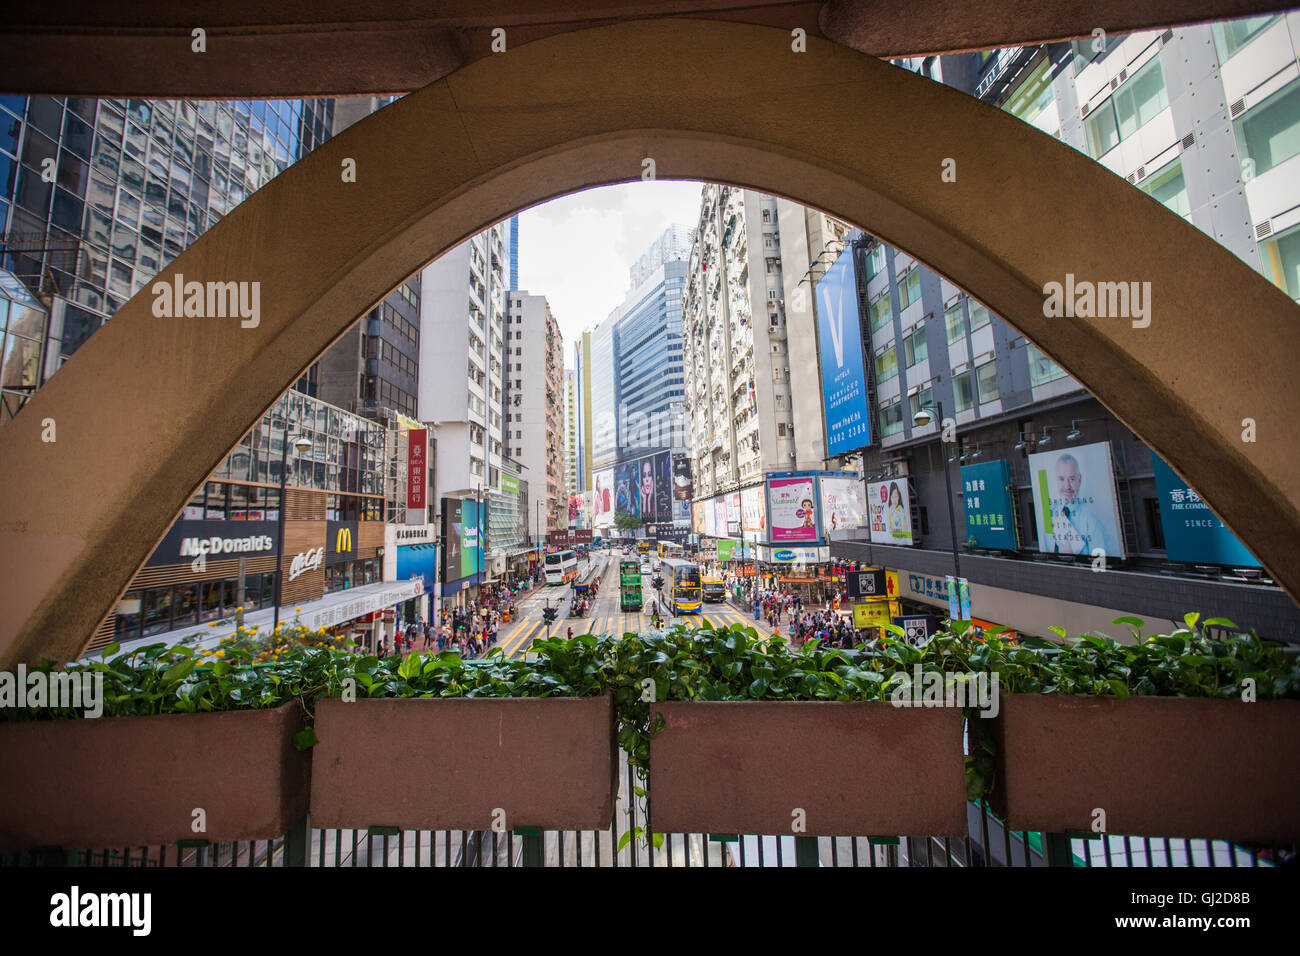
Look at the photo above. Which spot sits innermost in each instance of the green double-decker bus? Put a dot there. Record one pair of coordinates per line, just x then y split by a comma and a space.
629, 585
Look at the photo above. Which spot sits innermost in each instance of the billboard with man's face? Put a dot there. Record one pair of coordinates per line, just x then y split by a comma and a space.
1075, 503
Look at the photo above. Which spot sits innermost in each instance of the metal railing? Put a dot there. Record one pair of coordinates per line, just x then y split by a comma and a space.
988, 842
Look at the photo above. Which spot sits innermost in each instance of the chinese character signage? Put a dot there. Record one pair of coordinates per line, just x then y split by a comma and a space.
889, 511
990, 515
1075, 501
844, 381
792, 509
1192, 531
417, 472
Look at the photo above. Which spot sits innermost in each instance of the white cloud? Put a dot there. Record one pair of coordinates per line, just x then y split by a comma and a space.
576, 250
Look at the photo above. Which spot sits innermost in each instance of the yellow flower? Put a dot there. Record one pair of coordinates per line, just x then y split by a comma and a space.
297, 610
219, 654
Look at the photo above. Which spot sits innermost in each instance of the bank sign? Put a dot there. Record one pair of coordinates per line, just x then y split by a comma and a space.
844, 381
1192, 531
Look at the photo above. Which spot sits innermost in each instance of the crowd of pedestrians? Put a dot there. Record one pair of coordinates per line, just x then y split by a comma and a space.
469, 631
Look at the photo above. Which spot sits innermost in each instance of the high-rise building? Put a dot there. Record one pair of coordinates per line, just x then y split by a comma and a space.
581, 370
1206, 120
134, 183
741, 336
572, 447
602, 386
373, 369
648, 350
535, 431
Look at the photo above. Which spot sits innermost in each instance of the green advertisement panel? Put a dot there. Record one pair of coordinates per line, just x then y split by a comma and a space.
990, 514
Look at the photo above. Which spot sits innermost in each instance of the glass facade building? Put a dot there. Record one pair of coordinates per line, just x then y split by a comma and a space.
97, 196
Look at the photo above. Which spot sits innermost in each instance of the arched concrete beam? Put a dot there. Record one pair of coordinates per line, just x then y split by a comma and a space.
340, 48
149, 406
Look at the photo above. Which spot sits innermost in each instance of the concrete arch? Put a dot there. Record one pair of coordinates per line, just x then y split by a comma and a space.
149, 405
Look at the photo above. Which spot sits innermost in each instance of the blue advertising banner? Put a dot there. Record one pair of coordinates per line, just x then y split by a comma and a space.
844, 380
990, 516
418, 560
1192, 531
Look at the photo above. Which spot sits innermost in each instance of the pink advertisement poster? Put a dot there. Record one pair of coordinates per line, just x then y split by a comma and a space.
792, 510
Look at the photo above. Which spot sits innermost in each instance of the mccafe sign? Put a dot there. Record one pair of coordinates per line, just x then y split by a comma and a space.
305, 561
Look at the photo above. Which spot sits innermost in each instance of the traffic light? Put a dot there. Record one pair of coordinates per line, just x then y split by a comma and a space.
548, 615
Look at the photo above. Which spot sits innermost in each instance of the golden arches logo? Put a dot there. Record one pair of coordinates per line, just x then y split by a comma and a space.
343, 541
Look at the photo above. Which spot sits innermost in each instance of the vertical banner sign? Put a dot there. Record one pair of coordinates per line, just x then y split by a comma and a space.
417, 473
844, 381
958, 599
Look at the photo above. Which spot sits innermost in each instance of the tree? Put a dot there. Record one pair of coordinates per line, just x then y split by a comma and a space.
628, 522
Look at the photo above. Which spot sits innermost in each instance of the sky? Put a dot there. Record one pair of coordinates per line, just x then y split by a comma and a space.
576, 250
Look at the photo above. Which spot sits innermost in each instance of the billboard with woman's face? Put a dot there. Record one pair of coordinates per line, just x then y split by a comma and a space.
889, 508
603, 510
627, 489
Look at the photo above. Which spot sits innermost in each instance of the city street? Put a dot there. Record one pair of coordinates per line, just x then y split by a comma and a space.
526, 625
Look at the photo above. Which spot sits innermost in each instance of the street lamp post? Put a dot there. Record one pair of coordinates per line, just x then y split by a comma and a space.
300, 445
920, 420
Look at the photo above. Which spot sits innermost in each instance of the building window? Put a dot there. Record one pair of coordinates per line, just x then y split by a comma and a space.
1269, 134
915, 348
887, 364
979, 316
1281, 256
875, 260
1034, 95
891, 419
1231, 35
986, 382
909, 290
963, 394
881, 312
922, 399
955, 323
1140, 98
1166, 186
1042, 369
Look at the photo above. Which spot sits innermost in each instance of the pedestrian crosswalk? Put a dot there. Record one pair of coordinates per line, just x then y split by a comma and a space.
622, 623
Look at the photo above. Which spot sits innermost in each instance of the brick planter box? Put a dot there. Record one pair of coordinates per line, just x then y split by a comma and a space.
1158, 766
864, 769
452, 764
136, 781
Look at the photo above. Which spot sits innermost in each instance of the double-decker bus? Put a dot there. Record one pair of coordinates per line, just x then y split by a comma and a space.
670, 549
561, 567
629, 585
643, 546
682, 585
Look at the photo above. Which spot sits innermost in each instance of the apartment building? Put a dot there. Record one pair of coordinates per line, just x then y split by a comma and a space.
747, 321
536, 407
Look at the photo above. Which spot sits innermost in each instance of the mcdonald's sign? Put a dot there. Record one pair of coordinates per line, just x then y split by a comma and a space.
341, 538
